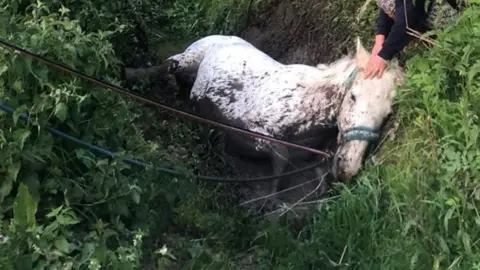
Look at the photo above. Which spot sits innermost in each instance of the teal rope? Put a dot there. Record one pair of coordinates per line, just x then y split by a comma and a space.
351, 78
361, 133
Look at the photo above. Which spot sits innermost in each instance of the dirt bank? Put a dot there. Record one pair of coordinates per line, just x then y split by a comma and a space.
309, 31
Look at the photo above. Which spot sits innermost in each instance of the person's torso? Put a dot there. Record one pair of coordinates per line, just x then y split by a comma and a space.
389, 7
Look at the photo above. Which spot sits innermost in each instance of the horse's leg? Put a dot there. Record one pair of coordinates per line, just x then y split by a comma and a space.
280, 159
321, 175
182, 63
143, 74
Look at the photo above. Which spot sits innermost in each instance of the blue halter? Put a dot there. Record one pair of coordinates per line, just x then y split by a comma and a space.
360, 132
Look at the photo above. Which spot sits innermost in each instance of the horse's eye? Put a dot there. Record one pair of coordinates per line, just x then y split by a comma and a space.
352, 96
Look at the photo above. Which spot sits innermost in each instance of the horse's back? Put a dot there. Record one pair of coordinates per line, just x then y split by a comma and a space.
215, 41
235, 50
228, 69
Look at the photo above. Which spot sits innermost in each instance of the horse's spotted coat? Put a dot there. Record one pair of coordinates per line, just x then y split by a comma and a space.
268, 97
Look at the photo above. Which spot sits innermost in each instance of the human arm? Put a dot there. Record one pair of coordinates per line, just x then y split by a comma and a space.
398, 38
383, 26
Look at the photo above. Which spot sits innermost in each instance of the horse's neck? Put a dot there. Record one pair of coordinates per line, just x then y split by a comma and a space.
339, 72
329, 87
336, 75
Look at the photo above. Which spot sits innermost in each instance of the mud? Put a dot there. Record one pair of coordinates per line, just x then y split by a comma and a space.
306, 32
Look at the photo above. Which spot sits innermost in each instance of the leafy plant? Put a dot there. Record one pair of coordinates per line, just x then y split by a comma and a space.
70, 208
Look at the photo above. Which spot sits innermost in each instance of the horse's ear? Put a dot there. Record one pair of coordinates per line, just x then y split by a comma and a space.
362, 55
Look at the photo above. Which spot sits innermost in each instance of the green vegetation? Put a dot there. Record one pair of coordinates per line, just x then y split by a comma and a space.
62, 207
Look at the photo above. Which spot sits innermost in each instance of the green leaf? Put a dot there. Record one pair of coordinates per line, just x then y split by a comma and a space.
13, 171
24, 208
24, 262
41, 74
55, 212
16, 114
85, 156
467, 243
135, 196
61, 111
88, 250
443, 245
447, 218
67, 218
31, 180
51, 230
21, 135
61, 244
3, 69
477, 221
472, 73
422, 64
17, 86
5, 189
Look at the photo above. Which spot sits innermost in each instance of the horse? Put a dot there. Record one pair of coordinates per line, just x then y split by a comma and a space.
237, 84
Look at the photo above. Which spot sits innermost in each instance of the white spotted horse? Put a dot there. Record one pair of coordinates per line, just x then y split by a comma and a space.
237, 84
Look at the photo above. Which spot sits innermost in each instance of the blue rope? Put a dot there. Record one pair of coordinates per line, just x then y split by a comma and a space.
142, 164
91, 147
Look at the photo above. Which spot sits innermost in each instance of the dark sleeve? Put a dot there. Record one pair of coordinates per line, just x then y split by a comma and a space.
384, 23
398, 37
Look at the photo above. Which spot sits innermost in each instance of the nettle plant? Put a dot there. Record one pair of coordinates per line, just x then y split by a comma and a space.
439, 103
60, 205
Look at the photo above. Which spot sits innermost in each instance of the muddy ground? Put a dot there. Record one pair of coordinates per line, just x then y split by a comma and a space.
307, 32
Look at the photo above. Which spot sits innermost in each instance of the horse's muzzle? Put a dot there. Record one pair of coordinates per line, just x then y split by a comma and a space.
348, 159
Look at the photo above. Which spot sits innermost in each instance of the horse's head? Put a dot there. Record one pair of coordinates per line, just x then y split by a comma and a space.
367, 103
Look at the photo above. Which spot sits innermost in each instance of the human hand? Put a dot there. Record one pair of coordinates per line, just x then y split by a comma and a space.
375, 67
